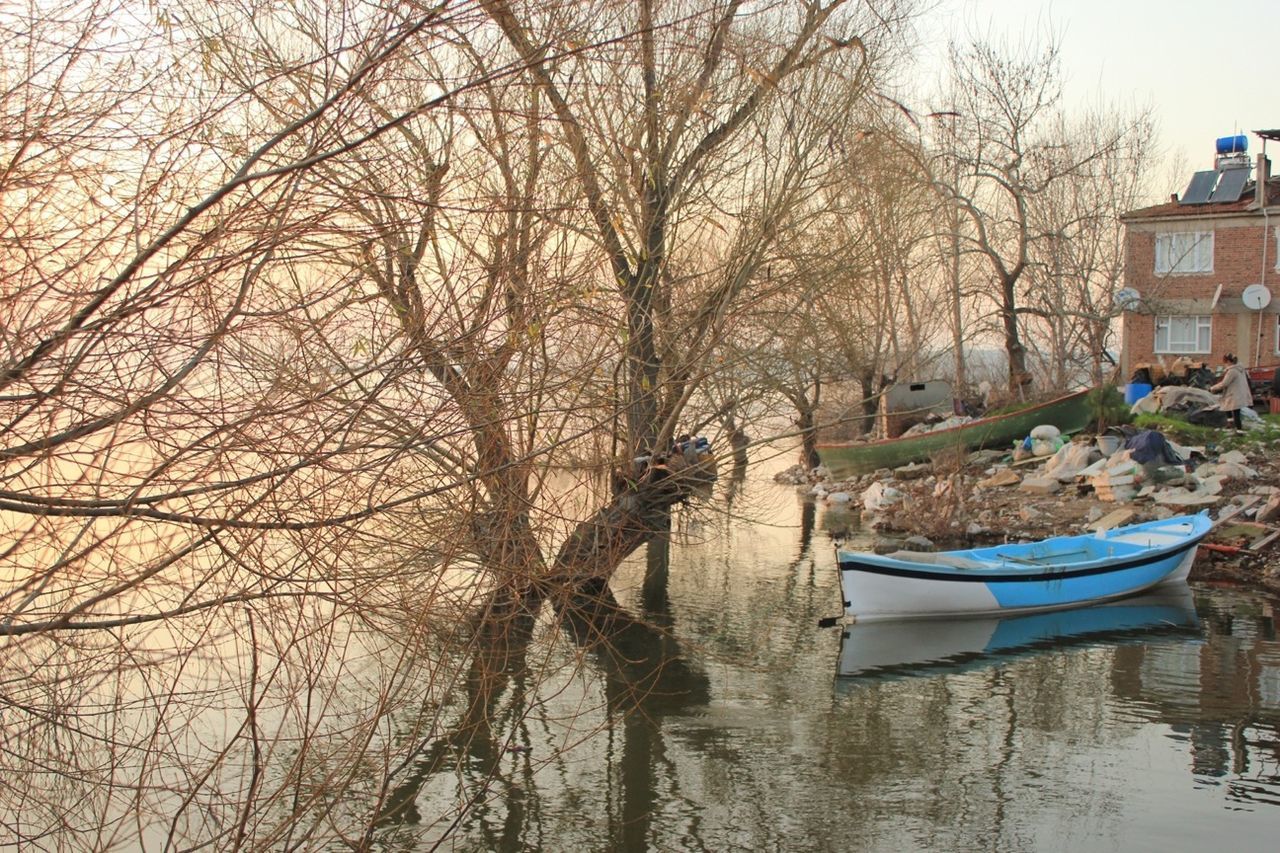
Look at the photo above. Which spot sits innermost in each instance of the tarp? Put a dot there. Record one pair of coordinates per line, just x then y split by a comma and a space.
1148, 445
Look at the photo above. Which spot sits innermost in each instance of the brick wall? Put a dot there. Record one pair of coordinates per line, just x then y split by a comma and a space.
1237, 263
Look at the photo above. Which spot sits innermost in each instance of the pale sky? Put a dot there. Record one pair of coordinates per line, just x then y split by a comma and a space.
1207, 69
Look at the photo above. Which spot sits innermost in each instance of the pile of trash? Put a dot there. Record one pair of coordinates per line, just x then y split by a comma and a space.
1182, 391
1002, 488
1047, 485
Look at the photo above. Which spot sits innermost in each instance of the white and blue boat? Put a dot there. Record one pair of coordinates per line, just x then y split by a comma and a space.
1065, 571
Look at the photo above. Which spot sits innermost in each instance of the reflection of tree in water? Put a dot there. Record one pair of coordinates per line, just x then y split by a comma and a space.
1230, 719
643, 676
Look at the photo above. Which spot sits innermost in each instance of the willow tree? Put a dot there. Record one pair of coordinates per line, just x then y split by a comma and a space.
208, 464
298, 304
661, 135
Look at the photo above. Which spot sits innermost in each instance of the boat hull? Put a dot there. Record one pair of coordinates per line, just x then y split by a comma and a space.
1069, 414
1016, 581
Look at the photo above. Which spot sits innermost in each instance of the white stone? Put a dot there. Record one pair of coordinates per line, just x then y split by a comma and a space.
1235, 471
1181, 497
878, 497
1040, 485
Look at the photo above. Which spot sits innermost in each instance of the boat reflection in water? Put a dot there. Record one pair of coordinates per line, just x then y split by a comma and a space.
906, 648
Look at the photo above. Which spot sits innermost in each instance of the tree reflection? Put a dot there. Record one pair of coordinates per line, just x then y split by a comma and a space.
646, 677
643, 675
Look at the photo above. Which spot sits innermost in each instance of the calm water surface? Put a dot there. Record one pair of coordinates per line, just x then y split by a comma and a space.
708, 711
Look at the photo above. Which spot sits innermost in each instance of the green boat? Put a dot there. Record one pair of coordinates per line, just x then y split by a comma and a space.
1069, 414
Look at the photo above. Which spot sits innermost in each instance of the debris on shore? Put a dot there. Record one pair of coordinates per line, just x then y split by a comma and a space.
969, 499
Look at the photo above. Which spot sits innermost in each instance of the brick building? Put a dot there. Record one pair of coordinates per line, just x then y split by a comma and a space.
1190, 260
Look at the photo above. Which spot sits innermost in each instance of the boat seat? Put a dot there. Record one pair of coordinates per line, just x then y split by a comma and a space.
937, 559
1150, 539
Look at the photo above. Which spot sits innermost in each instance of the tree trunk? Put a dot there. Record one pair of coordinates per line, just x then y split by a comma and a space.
1017, 353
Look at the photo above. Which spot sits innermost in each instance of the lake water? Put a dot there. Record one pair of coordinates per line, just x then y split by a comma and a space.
708, 712
697, 706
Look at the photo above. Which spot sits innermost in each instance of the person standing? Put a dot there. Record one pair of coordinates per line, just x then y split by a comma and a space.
1234, 386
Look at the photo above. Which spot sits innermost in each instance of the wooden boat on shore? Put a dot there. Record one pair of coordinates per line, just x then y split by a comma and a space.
1069, 413
1056, 573
899, 649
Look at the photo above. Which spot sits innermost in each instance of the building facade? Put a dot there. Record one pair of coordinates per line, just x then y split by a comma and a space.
1198, 266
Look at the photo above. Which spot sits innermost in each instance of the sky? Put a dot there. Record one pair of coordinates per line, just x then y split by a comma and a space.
1201, 66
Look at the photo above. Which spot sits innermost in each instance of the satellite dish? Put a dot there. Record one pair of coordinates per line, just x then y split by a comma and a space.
1127, 298
1256, 296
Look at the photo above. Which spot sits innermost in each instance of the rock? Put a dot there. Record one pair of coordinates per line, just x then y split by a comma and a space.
1115, 518
1040, 485
974, 528
839, 497
1162, 512
1029, 513
985, 457
1210, 485
879, 496
917, 543
886, 545
1003, 477
914, 471
793, 476
1234, 456
1094, 514
1179, 497
1234, 471
1270, 511
1169, 475
818, 491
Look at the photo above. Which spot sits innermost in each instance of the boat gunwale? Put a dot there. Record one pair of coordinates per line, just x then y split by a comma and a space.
856, 561
1029, 574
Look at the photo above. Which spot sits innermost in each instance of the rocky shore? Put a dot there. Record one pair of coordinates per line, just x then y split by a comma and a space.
966, 500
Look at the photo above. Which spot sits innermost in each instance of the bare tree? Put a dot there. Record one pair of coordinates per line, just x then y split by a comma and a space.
1078, 264
303, 305
1011, 157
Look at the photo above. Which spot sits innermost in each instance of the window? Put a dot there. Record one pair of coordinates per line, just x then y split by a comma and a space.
1183, 334
1184, 252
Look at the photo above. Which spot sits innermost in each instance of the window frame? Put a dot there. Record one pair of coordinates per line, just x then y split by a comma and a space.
1203, 322
1198, 239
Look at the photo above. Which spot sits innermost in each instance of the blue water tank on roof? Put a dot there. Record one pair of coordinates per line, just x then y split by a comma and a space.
1237, 144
